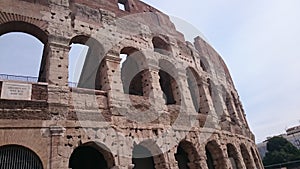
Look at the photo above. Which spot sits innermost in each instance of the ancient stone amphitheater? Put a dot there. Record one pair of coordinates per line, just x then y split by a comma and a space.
168, 104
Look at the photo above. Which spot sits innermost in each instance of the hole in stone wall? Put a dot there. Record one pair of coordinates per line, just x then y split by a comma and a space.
161, 46
203, 66
123, 5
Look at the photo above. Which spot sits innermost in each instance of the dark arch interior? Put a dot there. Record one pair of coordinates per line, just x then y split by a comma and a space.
182, 158
161, 46
232, 154
166, 86
142, 158
18, 157
246, 156
86, 157
209, 159
202, 65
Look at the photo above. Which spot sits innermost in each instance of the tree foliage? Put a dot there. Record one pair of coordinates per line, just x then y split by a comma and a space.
280, 151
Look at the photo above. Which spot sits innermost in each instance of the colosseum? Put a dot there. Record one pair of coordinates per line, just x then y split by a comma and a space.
145, 99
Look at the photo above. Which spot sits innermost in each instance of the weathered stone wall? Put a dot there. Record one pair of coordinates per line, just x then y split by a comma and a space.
199, 111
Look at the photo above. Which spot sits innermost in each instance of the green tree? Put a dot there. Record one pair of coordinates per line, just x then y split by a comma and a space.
280, 151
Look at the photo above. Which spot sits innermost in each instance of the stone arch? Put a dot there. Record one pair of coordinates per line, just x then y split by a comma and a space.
25, 27
168, 83
147, 155
246, 157
193, 80
93, 74
231, 109
36, 32
216, 98
214, 155
20, 157
256, 158
233, 156
197, 92
161, 45
187, 156
238, 108
135, 75
91, 155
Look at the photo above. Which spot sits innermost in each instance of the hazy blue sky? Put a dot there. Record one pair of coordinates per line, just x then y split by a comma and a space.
259, 40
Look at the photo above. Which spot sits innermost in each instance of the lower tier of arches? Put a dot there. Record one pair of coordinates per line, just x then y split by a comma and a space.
106, 148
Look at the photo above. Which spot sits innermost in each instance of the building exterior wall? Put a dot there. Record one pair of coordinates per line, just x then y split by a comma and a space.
292, 135
56, 118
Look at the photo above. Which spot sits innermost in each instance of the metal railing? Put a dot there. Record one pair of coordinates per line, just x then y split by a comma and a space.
18, 78
72, 84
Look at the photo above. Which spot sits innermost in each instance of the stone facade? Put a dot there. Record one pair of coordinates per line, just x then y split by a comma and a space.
172, 104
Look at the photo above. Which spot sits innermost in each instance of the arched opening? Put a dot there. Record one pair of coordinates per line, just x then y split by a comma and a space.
255, 157
203, 66
22, 52
193, 84
86, 68
142, 158
238, 108
197, 92
214, 156
216, 98
230, 108
91, 156
77, 57
187, 156
246, 157
134, 72
168, 84
18, 157
209, 159
161, 46
233, 156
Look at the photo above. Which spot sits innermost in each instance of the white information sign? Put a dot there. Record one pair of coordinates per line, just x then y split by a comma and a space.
16, 91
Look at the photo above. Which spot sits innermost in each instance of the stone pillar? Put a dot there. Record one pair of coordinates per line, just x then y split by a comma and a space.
156, 96
203, 158
212, 119
188, 115
56, 74
57, 62
56, 161
171, 162
240, 159
113, 84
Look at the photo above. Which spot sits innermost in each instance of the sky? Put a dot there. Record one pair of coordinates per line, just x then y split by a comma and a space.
259, 41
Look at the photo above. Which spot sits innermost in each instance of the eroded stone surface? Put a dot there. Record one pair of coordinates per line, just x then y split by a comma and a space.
170, 96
